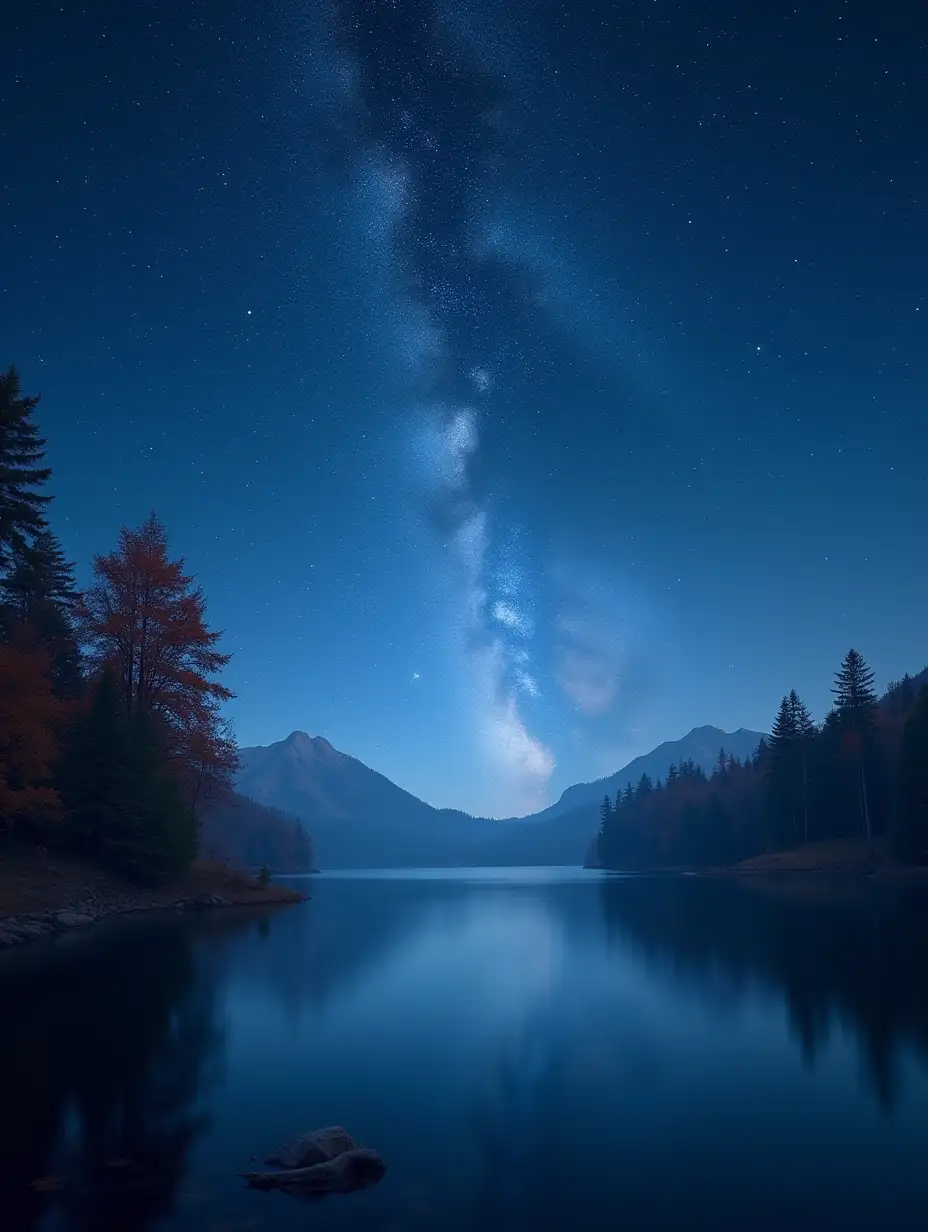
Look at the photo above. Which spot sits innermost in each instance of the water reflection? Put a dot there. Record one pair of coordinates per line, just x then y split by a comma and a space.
526, 1053
104, 1046
841, 956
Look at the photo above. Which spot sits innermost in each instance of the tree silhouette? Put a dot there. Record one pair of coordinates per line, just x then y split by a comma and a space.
910, 817
39, 591
855, 709
22, 475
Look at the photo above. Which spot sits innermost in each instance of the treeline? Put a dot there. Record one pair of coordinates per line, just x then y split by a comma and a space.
251, 835
111, 736
862, 773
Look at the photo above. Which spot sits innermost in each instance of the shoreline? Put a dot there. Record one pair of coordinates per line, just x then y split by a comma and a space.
45, 897
840, 860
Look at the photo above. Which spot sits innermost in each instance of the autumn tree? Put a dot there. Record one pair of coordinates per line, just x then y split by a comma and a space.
143, 617
22, 473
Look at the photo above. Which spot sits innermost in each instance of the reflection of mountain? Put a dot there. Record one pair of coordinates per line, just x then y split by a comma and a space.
851, 955
102, 1050
308, 952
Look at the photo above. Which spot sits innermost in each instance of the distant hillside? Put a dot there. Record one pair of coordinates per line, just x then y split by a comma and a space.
359, 819
700, 746
248, 835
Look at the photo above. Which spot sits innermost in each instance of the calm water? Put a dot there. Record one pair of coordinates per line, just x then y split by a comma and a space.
537, 1050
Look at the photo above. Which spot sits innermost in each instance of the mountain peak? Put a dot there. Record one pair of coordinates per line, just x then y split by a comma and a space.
303, 742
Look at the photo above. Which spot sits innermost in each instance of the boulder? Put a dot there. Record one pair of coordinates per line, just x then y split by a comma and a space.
314, 1148
353, 1169
72, 919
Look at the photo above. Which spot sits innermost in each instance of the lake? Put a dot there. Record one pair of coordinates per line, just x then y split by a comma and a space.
528, 1049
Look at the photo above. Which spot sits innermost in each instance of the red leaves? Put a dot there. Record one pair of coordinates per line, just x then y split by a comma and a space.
144, 616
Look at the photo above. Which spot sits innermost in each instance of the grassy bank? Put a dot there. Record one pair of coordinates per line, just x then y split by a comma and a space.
45, 893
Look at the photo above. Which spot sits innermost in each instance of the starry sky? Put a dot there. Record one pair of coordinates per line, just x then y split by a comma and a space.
526, 382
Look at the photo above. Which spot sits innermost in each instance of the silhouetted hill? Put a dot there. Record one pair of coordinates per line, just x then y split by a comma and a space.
700, 746
249, 835
357, 818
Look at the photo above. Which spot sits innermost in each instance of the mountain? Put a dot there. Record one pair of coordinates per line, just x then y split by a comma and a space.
357, 818
701, 746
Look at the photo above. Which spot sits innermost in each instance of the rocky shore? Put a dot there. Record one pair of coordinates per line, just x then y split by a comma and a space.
40, 897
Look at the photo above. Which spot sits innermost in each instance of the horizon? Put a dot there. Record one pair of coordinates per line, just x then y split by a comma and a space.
453, 808
514, 381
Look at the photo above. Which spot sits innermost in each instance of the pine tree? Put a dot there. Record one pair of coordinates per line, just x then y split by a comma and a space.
910, 819
22, 452
644, 788
40, 592
721, 762
856, 709
604, 837
605, 814
787, 767
123, 806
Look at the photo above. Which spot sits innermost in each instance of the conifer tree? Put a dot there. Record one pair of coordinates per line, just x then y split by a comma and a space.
123, 806
40, 592
22, 473
855, 711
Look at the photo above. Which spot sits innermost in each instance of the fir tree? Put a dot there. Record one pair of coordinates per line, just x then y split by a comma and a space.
605, 814
853, 690
788, 770
40, 592
644, 788
123, 805
22, 452
855, 711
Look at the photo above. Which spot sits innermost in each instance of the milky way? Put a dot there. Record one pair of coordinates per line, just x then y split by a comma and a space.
426, 134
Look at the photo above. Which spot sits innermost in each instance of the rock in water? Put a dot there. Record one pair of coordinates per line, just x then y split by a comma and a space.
356, 1168
315, 1148
72, 919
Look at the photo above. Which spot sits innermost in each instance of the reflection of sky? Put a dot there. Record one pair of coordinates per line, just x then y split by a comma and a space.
499, 1014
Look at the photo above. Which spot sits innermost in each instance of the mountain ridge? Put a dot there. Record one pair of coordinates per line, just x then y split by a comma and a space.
357, 817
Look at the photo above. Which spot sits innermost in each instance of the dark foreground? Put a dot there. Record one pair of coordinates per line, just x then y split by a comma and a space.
527, 1050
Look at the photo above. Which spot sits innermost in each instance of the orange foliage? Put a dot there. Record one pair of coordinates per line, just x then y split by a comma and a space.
29, 715
143, 616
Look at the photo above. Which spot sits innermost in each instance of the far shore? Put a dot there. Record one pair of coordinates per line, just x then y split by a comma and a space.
840, 858
43, 894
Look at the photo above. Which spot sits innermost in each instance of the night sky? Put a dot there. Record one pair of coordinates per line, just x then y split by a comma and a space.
526, 383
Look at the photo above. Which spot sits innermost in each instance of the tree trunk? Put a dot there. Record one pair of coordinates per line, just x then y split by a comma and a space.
805, 796
864, 805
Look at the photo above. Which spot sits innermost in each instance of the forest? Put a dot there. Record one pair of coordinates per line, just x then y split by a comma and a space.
113, 746
861, 774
